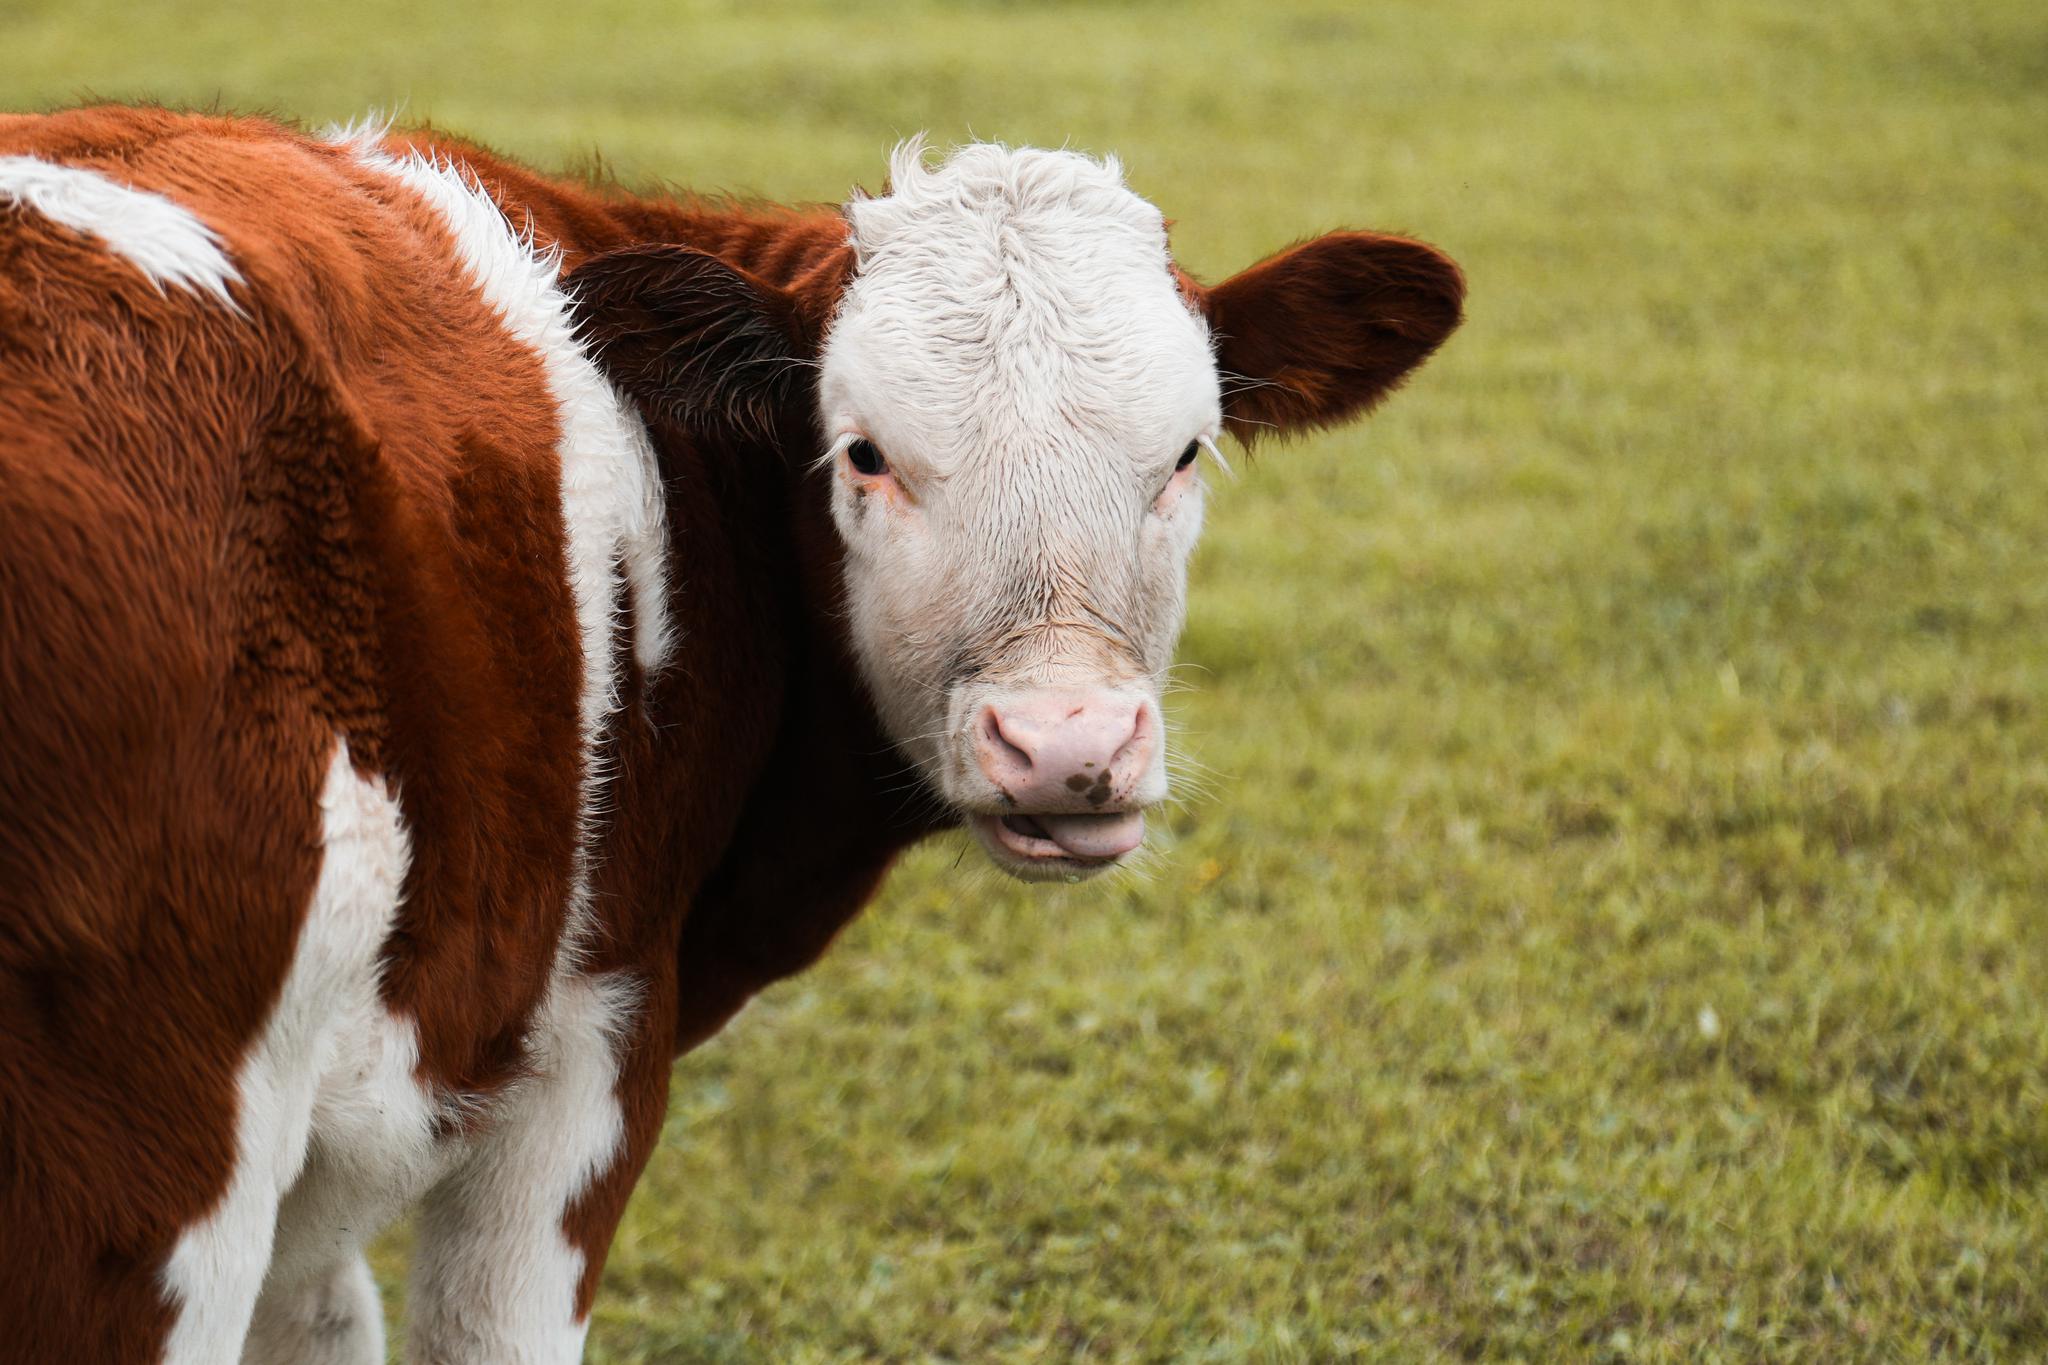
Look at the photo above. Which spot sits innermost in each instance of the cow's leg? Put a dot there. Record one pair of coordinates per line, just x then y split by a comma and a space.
496, 1276
217, 1270
374, 1153
334, 1318
216, 1273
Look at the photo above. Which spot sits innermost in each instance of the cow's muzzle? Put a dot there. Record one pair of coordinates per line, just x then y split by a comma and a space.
1070, 771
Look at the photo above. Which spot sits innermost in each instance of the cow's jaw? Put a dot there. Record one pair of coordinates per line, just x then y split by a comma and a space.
1010, 391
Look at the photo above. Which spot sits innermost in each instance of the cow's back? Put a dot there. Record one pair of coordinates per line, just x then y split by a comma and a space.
284, 618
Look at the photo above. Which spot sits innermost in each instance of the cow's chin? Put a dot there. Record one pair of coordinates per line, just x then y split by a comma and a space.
1058, 848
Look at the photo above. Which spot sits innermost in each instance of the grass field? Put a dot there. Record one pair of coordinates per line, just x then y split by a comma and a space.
1614, 926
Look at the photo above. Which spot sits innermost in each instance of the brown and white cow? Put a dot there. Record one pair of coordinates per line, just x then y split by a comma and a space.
462, 633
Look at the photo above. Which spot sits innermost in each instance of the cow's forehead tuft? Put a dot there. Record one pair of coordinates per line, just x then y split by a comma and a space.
989, 187
1007, 298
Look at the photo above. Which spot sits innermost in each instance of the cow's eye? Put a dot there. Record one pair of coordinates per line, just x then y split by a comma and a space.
1187, 457
865, 457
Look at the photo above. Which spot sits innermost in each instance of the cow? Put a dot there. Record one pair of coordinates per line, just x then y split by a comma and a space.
465, 631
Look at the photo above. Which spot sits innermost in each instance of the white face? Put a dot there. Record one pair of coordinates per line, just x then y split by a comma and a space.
1015, 394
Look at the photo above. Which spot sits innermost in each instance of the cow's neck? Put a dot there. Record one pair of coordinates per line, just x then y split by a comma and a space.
819, 802
755, 804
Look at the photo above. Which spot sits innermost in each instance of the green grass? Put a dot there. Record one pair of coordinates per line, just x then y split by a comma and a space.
1613, 928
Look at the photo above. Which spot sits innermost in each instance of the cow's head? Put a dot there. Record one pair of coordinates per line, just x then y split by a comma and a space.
1012, 390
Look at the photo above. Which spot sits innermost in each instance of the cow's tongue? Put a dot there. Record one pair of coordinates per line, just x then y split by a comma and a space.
1094, 836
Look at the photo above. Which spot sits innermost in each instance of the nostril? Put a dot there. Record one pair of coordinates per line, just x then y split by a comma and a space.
999, 744
1139, 742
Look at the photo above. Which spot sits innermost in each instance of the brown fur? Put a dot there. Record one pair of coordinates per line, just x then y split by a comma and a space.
228, 539
1324, 331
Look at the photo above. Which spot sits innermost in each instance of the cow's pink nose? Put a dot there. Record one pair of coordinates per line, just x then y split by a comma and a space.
1066, 750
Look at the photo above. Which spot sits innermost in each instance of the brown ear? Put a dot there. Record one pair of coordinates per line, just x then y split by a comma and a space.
1325, 330
695, 340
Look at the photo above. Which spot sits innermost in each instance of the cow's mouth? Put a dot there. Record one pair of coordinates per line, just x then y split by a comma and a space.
1041, 847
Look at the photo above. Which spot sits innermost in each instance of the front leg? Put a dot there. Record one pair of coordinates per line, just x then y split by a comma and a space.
508, 1248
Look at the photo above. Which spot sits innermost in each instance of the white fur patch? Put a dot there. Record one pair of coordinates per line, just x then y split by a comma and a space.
218, 1266
611, 490
159, 237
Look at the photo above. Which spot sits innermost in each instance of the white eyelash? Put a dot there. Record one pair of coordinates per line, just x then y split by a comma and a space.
835, 449
1208, 443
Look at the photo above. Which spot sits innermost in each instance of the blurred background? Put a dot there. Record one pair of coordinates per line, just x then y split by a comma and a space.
1610, 921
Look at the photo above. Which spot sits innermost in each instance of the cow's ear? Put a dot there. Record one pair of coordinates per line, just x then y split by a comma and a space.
695, 340
1324, 330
